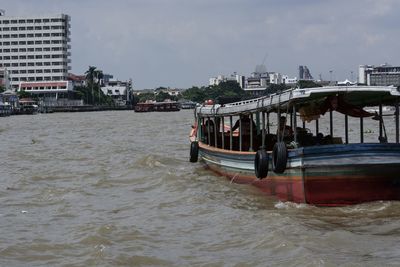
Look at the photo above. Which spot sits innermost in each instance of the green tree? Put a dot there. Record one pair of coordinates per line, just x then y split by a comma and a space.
144, 97
195, 94
161, 96
307, 84
24, 94
2, 88
275, 88
94, 94
225, 92
90, 74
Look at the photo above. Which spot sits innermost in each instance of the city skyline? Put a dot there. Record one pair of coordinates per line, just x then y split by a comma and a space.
182, 44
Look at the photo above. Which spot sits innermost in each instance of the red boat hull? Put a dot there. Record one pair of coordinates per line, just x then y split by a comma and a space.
332, 176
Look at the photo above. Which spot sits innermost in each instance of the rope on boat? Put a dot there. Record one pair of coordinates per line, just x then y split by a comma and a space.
233, 178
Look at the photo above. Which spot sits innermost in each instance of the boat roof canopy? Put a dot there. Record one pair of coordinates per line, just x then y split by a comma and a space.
351, 96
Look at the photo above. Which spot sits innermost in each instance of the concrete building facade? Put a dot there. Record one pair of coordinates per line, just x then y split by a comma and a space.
35, 49
383, 75
121, 92
233, 77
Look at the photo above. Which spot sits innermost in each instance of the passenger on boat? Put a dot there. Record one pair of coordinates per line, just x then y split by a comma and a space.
246, 124
246, 121
193, 133
284, 129
208, 129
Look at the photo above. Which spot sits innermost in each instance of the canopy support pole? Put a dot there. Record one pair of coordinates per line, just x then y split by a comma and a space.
397, 121
251, 132
279, 128
380, 121
240, 134
215, 132
200, 128
346, 128
208, 131
331, 123
291, 120
230, 133
223, 133
361, 130
294, 117
263, 130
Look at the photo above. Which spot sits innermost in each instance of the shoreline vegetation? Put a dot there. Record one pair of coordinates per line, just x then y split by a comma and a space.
94, 98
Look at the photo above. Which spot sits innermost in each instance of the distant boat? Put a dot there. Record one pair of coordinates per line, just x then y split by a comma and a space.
157, 106
188, 105
302, 167
144, 107
5, 109
27, 106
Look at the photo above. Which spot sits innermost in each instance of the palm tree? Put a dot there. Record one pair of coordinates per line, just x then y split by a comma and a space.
99, 76
90, 74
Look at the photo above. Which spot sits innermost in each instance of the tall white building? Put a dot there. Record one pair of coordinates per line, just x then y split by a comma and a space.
35, 50
233, 77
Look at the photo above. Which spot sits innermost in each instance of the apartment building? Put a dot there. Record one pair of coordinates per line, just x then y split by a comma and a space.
382, 75
35, 51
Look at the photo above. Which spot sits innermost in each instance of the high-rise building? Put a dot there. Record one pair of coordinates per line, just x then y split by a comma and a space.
35, 50
304, 73
382, 75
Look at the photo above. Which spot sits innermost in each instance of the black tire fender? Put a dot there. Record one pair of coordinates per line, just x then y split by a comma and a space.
261, 163
279, 157
194, 151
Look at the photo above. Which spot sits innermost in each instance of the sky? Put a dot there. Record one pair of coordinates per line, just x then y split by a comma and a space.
183, 43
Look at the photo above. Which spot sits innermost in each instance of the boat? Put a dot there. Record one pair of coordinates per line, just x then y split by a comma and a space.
188, 105
157, 106
144, 107
166, 106
307, 167
28, 106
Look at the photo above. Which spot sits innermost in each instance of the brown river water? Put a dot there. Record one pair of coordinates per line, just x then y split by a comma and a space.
116, 188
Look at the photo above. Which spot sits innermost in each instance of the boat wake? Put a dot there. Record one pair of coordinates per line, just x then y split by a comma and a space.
150, 161
291, 205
